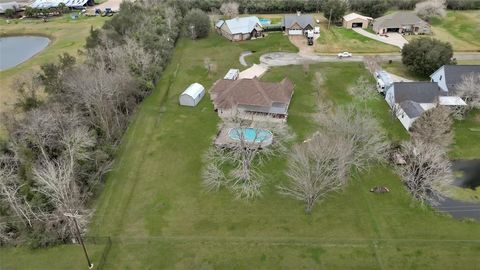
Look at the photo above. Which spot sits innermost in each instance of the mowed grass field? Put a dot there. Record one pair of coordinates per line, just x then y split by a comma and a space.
67, 36
159, 217
460, 28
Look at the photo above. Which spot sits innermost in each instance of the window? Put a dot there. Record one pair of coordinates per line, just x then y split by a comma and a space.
441, 76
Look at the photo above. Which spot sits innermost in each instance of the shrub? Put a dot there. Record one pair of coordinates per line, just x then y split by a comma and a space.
197, 24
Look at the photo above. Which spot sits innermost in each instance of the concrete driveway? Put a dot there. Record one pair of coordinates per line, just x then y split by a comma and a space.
301, 43
394, 39
253, 71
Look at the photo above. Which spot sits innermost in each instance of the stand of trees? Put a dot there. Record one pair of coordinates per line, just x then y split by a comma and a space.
349, 139
62, 146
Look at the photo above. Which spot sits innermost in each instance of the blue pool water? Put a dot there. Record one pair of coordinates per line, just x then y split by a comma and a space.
264, 21
250, 134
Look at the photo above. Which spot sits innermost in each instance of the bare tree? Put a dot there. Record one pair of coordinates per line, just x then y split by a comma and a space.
245, 155
469, 90
426, 171
209, 65
431, 8
363, 90
317, 168
229, 9
104, 96
434, 127
360, 128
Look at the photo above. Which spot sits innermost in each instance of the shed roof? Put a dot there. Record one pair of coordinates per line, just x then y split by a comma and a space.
55, 3
227, 94
243, 25
354, 15
411, 108
420, 92
303, 20
397, 19
194, 90
219, 23
8, 5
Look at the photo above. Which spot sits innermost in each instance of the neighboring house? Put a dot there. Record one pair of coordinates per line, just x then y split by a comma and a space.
240, 28
251, 97
297, 24
410, 99
9, 5
55, 3
354, 20
404, 22
192, 95
448, 76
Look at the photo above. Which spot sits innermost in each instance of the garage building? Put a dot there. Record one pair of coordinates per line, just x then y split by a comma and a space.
354, 20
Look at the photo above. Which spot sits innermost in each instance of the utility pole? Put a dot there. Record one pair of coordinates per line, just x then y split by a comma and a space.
329, 19
79, 237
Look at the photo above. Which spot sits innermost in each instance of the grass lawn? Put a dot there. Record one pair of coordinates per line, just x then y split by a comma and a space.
154, 207
467, 137
65, 257
401, 70
460, 28
67, 36
338, 39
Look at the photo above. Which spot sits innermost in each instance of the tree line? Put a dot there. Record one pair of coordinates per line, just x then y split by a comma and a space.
373, 8
60, 147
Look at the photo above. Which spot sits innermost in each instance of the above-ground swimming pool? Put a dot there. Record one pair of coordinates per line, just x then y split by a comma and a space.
250, 135
264, 21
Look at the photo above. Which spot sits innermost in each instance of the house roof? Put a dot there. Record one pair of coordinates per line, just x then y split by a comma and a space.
55, 3
354, 15
303, 20
194, 90
420, 92
242, 25
227, 93
397, 19
411, 108
219, 23
454, 74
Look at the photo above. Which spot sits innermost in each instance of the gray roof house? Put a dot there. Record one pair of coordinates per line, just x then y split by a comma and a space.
410, 99
448, 76
297, 24
401, 22
240, 28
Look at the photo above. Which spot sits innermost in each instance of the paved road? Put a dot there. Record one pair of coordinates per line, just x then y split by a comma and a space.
394, 39
285, 59
242, 58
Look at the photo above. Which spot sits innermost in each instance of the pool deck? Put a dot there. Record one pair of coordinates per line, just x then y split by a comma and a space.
224, 141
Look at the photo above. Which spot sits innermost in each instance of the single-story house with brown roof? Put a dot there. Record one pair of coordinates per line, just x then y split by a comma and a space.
401, 22
354, 20
250, 97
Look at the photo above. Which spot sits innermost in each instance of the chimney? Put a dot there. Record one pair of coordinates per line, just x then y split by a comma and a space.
299, 13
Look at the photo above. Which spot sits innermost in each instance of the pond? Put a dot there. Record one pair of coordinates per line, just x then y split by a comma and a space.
467, 175
18, 49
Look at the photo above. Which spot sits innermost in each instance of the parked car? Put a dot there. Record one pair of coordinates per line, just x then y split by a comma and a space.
310, 41
344, 55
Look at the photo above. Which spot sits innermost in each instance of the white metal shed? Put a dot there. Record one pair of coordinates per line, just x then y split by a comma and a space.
192, 95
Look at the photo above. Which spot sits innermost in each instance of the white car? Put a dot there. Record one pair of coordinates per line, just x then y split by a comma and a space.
344, 55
